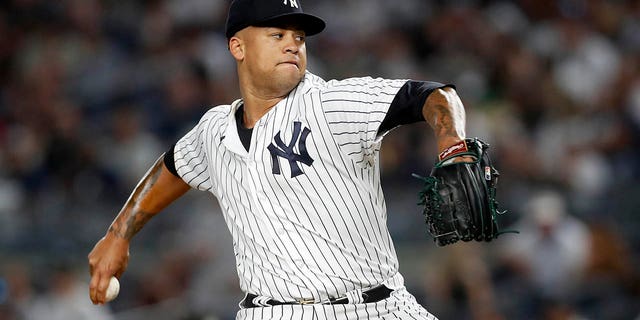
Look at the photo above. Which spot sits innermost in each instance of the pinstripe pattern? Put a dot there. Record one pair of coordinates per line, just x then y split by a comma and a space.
316, 235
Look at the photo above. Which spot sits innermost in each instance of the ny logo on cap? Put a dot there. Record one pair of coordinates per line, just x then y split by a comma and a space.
285, 151
292, 3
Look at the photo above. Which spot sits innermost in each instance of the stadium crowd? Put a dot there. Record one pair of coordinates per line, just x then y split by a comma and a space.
92, 92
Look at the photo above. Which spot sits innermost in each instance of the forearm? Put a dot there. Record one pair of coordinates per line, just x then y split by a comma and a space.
156, 190
445, 113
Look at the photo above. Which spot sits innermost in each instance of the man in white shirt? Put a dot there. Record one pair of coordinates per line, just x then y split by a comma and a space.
294, 165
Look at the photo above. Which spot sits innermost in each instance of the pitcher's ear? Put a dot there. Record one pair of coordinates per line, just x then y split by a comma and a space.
236, 48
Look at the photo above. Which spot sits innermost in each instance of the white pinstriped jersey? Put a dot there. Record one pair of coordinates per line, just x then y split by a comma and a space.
304, 205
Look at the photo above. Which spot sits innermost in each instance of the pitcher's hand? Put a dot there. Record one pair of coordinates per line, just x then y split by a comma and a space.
109, 257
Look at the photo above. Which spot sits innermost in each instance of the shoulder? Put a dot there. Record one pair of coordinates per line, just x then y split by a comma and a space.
354, 81
215, 119
218, 113
310, 83
364, 84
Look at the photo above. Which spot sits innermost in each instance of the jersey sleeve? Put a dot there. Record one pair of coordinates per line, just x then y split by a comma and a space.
191, 156
355, 108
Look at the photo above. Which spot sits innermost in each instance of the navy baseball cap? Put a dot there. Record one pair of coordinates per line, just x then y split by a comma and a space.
244, 13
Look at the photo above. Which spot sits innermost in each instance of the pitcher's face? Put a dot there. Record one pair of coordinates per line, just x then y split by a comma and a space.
274, 57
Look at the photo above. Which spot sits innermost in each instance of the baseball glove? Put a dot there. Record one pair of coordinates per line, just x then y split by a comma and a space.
459, 198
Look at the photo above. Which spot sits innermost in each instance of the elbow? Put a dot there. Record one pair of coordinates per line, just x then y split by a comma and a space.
447, 96
445, 113
443, 101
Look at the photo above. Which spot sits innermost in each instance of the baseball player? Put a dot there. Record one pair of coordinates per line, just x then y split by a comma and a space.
294, 165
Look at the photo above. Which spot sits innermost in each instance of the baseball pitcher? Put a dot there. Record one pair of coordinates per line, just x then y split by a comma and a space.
294, 165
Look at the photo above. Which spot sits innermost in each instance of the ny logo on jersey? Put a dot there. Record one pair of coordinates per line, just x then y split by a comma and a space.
280, 149
292, 3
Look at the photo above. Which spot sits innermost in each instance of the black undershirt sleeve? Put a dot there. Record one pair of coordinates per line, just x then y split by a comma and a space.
406, 106
169, 162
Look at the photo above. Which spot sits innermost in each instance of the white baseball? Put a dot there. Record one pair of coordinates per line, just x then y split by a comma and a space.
113, 289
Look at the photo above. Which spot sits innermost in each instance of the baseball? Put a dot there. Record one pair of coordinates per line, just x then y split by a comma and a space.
113, 289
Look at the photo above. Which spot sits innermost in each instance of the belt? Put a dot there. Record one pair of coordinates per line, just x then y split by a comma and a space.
372, 295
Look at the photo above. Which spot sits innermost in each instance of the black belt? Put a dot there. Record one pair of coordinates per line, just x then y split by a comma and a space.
372, 295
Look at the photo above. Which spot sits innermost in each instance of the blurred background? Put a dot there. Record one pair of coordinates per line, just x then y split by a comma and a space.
92, 92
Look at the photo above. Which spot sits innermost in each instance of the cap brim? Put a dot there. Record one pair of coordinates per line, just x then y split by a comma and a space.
309, 23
